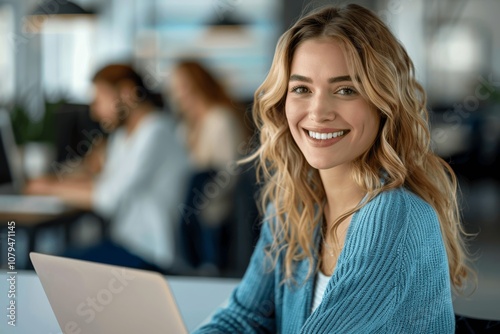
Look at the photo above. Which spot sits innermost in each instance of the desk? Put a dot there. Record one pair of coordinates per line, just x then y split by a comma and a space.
197, 299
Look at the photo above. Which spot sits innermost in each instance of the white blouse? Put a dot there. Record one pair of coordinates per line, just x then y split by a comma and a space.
141, 187
319, 288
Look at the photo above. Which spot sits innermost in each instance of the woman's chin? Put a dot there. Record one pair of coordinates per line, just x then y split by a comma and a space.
321, 164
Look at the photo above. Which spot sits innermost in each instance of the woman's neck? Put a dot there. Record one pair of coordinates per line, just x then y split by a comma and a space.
342, 193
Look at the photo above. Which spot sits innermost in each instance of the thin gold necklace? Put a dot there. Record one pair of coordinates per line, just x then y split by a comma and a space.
329, 249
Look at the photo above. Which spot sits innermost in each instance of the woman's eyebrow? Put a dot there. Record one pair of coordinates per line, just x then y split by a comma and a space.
298, 77
340, 79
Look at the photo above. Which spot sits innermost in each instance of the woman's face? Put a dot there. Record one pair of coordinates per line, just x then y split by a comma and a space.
329, 120
183, 94
105, 105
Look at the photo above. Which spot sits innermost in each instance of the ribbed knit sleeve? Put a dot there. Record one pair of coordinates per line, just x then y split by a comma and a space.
392, 275
251, 307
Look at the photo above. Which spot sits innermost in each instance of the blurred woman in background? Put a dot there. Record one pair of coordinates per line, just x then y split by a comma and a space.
213, 122
214, 133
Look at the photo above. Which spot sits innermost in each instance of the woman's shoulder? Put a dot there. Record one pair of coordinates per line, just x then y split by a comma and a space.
268, 223
401, 201
271, 229
401, 209
395, 221
222, 116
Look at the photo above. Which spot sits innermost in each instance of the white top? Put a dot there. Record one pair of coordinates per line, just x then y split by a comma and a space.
319, 288
218, 141
141, 186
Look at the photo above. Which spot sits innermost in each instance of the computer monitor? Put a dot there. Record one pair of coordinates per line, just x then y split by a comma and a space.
11, 175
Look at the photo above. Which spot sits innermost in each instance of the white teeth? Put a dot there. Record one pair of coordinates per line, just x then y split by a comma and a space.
324, 136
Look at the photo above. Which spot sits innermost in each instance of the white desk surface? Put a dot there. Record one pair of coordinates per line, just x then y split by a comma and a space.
197, 298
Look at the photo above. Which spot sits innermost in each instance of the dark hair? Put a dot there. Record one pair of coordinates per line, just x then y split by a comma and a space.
118, 74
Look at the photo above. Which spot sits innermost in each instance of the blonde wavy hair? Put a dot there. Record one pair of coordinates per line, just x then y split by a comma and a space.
385, 77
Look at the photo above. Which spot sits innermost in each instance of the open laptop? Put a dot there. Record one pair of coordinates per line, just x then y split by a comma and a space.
95, 298
12, 179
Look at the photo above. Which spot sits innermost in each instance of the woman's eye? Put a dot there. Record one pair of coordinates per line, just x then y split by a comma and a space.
347, 91
299, 90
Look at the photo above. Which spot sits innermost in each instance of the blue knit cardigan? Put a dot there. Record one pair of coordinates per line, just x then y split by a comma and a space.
391, 277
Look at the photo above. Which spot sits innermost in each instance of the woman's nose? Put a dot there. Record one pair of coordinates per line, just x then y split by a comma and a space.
321, 108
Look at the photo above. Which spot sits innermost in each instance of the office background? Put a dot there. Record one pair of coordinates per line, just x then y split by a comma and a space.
455, 45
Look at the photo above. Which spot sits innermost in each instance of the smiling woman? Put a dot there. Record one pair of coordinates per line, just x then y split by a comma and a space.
362, 231
330, 121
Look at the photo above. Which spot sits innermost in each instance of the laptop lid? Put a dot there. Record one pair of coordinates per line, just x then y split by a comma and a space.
11, 176
95, 298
